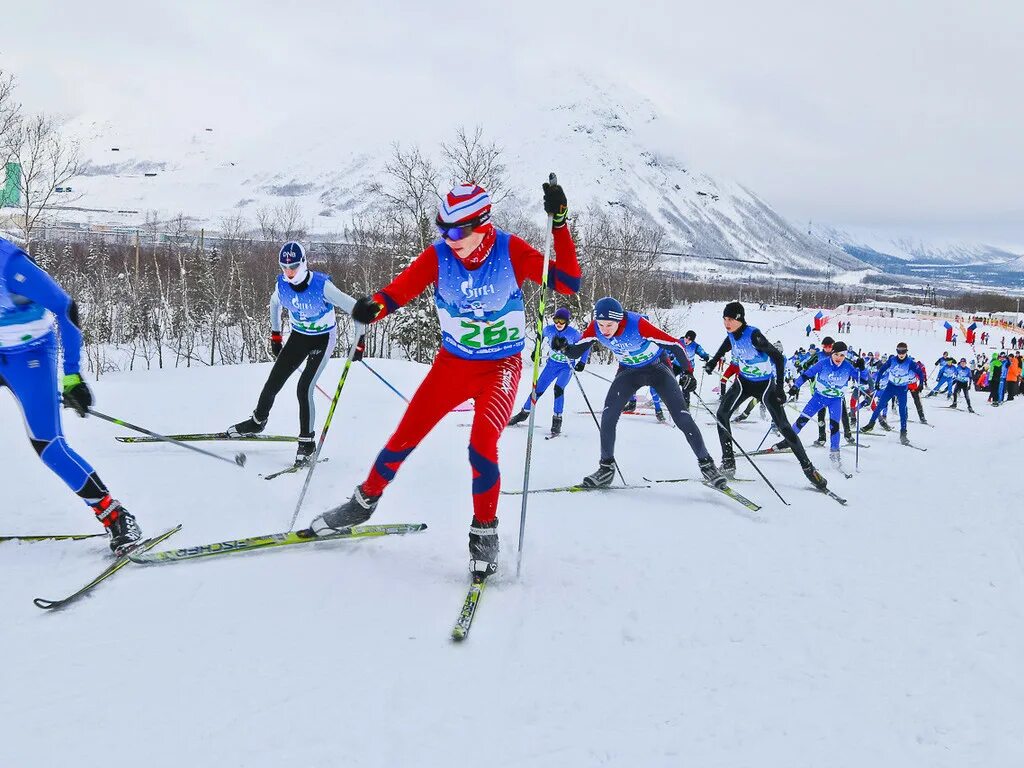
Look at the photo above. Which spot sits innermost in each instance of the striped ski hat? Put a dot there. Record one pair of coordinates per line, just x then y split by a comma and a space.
466, 204
608, 309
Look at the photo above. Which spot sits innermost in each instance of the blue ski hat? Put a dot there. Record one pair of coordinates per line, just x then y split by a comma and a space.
562, 313
292, 255
608, 309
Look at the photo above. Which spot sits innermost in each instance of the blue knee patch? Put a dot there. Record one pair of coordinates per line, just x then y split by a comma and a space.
388, 462
487, 472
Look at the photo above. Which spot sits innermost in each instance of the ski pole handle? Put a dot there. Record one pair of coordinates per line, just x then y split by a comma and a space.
238, 460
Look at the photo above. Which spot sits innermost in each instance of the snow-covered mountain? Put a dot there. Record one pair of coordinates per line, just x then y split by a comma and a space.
896, 253
609, 145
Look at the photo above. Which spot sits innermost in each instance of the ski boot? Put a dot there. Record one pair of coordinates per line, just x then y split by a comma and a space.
556, 424
305, 450
728, 467
780, 446
930, 394
741, 417
519, 418
711, 474
123, 531
659, 414
819, 442
867, 428
903, 437
483, 548
836, 460
603, 477
885, 424
952, 405
970, 410
924, 420
815, 477
353, 512
251, 426
849, 438
630, 406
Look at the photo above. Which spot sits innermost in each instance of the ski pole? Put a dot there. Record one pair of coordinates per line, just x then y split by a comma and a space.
856, 416
386, 383
765, 436
239, 459
327, 425
602, 378
745, 454
596, 423
552, 180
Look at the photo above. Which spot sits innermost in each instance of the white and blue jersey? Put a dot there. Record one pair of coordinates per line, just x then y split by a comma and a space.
754, 364
630, 347
571, 335
481, 311
900, 374
310, 309
692, 350
28, 322
830, 380
962, 374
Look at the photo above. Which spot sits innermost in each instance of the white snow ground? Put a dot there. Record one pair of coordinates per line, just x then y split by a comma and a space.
659, 627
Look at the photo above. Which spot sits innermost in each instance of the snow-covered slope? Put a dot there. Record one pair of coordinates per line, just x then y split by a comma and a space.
609, 145
661, 627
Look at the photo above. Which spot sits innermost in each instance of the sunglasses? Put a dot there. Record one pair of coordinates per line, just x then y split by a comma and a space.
456, 232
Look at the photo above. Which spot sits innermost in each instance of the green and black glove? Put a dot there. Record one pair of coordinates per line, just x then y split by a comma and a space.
77, 394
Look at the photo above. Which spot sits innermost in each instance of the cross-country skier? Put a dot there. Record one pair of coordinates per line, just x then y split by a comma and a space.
478, 272
557, 369
761, 375
638, 346
30, 302
962, 383
901, 368
943, 375
310, 298
830, 374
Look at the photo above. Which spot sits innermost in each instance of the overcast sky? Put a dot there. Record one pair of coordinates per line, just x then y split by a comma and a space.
902, 115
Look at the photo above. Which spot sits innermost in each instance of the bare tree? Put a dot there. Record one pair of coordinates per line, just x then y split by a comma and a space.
469, 158
281, 223
48, 160
9, 113
413, 189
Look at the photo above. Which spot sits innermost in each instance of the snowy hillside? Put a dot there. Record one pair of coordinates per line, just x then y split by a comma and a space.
657, 627
609, 145
934, 259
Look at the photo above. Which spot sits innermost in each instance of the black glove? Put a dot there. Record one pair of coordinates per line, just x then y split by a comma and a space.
859, 363
794, 391
687, 383
360, 348
580, 366
77, 394
275, 343
366, 310
709, 367
555, 204
776, 396
558, 343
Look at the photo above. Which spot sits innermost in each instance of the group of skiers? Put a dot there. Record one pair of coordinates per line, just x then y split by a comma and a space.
477, 272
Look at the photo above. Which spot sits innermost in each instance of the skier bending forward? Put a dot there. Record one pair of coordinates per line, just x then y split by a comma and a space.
478, 272
637, 345
29, 302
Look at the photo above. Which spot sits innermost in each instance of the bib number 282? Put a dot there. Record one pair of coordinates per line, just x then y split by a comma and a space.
477, 335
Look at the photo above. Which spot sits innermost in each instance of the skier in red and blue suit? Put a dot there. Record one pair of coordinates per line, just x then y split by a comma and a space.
477, 271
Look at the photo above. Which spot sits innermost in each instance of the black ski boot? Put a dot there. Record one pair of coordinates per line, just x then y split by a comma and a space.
519, 418
728, 467
483, 548
815, 477
969, 409
923, 420
780, 446
711, 474
556, 424
306, 448
741, 417
603, 477
659, 414
251, 426
819, 442
849, 439
867, 428
121, 527
903, 437
885, 425
355, 511
630, 406
952, 405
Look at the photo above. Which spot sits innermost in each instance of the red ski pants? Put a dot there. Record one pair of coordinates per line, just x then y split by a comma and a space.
451, 381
